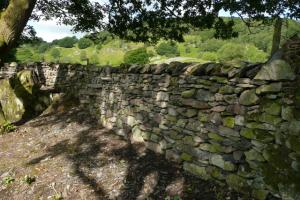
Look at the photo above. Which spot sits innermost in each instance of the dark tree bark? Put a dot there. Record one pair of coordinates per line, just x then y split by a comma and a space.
276, 36
13, 19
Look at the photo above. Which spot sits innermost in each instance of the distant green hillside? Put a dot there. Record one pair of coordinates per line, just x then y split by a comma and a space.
199, 46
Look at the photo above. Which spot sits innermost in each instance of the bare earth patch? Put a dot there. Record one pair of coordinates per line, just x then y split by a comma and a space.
71, 157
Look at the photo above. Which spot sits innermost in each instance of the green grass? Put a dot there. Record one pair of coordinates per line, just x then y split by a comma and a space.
111, 53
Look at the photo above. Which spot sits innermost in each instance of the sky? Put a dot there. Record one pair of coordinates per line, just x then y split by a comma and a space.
50, 30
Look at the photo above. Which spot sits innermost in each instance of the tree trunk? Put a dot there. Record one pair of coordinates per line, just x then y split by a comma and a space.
276, 36
13, 19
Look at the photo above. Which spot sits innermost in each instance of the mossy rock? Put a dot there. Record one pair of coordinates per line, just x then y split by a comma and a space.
226, 89
213, 148
215, 137
196, 170
219, 161
12, 106
26, 87
254, 155
273, 87
276, 70
293, 142
260, 194
203, 117
229, 122
21, 98
297, 98
278, 173
248, 98
248, 133
188, 93
271, 107
186, 157
270, 119
238, 183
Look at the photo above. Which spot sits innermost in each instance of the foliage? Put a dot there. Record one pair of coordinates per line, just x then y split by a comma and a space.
168, 49
99, 46
144, 20
224, 30
57, 197
84, 43
94, 59
55, 53
211, 45
66, 59
102, 37
43, 47
152, 20
67, 42
198, 44
8, 180
253, 54
83, 56
210, 56
151, 53
10, 56
7, 128
231, 51
28, 179
29, 36
24, 54
137, 56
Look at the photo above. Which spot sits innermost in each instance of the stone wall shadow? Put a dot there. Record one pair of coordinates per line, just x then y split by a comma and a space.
142, 163
149, 162
81, 152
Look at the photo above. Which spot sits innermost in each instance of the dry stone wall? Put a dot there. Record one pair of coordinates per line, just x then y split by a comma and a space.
235, 124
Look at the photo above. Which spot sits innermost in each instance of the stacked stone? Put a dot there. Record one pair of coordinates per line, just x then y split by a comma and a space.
234, 123
220, 125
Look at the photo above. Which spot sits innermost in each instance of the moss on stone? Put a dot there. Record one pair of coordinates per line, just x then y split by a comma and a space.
293, 142
264, 136
248, 98
215, 137
188, 93
188, 140
271, 107
216, 173
186, 157
260, 194
219, 161
238, 183
12, 106
270, 119
287, 113
248, 133
2, 117
226, 89
273, 87
254, 155
213, 148
278, 170
196, 170
203, 117
229, 122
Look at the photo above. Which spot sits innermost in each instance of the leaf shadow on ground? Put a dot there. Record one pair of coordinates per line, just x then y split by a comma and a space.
148, 175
